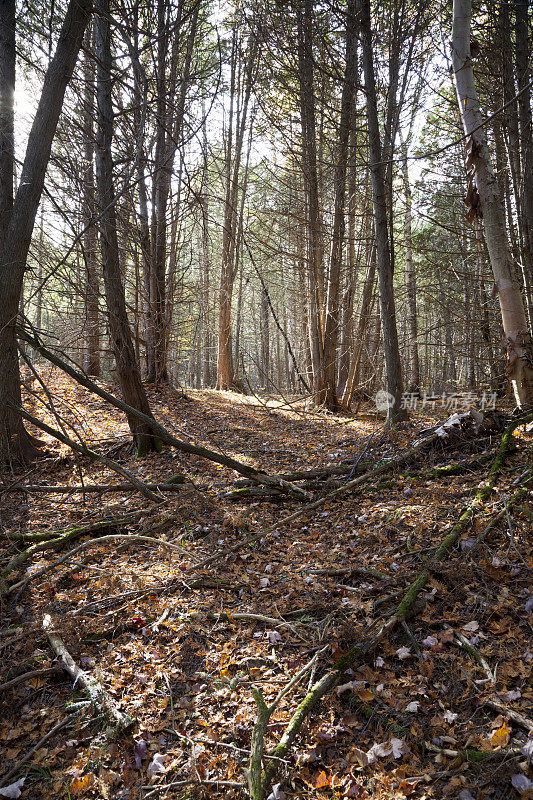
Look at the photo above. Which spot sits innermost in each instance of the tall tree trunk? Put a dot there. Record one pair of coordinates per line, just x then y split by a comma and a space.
231, 218
361, 334
120, 334
410, 279
17, 224
385, 276
484, 187
333, 321
264, 329
169, 131
304, 12
91, 360
525, 198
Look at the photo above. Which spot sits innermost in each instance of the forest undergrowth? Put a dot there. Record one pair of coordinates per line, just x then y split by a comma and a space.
183, 656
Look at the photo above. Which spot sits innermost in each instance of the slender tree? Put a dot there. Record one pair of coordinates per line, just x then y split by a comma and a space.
485, 200
384, 263
18, 214
127, 368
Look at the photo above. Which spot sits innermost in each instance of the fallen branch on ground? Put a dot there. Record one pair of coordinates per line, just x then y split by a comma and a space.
80, 530
93, 543
13, 771
96, 692
41, 545
94, 487
520, 719
158, 429
26, 676
86, 451
262, 780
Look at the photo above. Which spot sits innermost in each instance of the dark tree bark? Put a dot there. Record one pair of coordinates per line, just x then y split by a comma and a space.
304, 12
91, 359
525, 198
331, 333
120, 334
385, 277
17, 225
171, 97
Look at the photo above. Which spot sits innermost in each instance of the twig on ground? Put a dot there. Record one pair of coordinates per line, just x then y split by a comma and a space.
94, 543
520, 719
469, 648
13, 771
26, 676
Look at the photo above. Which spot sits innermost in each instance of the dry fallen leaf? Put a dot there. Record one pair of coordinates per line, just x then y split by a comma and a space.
501, 736
322, 780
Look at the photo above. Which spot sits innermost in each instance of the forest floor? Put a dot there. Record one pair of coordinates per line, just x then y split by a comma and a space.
422, 717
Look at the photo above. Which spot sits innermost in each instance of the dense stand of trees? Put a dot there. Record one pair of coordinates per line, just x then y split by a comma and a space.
328, 199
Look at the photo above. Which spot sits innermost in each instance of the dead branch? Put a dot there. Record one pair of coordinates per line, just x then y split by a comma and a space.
107, 488
93, 543
520, 719
94, 456
61, 538
158, 429
97, 694
30, 753
81, 530
26, 676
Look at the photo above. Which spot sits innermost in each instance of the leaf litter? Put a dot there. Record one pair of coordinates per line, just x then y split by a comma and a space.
181, 656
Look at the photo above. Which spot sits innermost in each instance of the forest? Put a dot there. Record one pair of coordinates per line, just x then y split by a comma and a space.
266, 399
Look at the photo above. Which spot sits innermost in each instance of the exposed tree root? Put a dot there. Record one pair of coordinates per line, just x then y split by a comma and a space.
260, 784
95, 691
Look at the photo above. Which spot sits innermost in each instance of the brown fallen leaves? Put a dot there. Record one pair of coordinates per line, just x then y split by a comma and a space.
406, 724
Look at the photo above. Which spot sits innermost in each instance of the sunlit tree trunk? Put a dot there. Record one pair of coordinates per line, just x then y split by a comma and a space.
483, 180
18, 215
